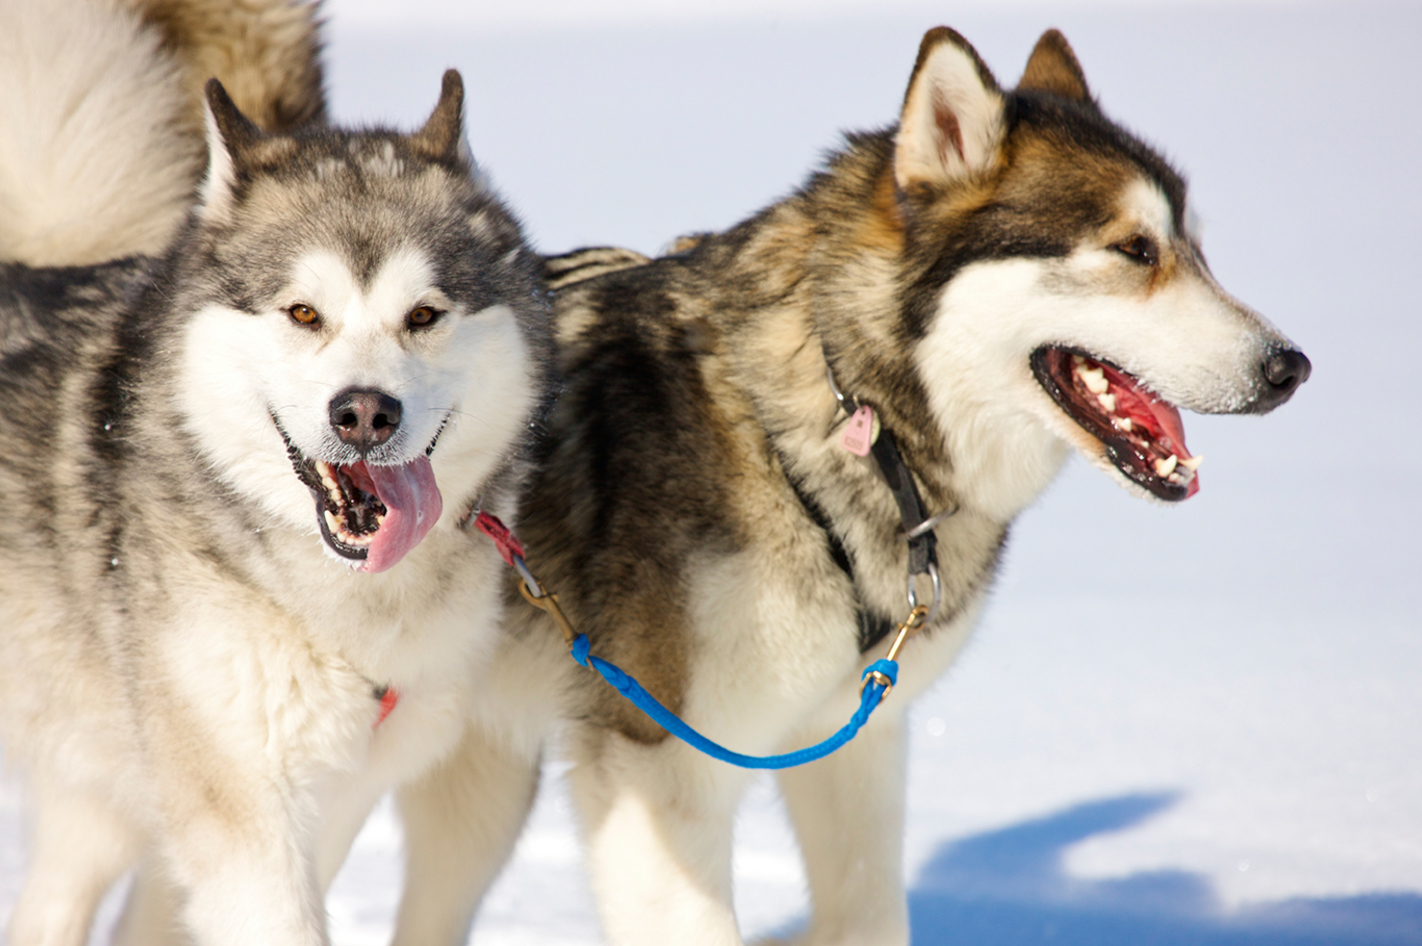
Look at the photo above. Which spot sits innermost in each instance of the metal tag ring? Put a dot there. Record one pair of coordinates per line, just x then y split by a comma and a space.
937, 592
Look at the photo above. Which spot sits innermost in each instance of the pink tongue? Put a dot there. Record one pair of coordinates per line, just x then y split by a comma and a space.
1160, 417
413, 505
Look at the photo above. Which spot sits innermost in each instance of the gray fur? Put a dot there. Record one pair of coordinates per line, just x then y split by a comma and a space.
191, 682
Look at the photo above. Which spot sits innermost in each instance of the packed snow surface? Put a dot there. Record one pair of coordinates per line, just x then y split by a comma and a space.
1194, 725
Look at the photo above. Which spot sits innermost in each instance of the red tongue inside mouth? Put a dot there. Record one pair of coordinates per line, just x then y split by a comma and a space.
1159, 417
412, 502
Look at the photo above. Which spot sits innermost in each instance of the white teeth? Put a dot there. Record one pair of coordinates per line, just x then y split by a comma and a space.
1167, 466
1078, 360
1095, 379
1108, 401
1122, 424
1192, 463
339, 531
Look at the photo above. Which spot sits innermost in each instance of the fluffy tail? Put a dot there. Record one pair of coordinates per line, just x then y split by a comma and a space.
568, 268
101, 141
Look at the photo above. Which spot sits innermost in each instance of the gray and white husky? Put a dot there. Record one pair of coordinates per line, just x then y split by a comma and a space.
240, 597
1002, 277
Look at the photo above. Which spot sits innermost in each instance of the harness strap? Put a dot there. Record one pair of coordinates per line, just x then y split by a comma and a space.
923, 544
872, 627
387, 697
914, 516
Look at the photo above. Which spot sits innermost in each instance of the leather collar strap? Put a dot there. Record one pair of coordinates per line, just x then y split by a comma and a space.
923, 543
917, 523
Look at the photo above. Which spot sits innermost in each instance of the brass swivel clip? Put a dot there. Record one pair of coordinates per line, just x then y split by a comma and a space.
910, 626
547, 602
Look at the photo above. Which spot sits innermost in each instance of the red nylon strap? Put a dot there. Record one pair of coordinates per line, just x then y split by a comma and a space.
389, 696
508, 546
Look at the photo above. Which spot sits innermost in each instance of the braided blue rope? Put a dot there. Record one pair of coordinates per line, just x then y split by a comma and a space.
632, 690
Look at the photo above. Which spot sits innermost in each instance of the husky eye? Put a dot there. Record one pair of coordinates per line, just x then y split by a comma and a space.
422, 317
303, 314
1142, 249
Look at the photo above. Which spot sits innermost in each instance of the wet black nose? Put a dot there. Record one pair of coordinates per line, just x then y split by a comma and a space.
363, 418
1284, 370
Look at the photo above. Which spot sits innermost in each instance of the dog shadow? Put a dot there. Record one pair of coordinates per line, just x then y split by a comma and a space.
1009, 887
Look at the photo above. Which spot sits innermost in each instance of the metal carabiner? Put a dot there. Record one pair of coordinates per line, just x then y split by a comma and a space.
937, 592
846, 403
911, 625
545, 601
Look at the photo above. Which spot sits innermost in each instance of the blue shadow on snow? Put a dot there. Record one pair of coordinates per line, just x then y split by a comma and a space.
1008, 888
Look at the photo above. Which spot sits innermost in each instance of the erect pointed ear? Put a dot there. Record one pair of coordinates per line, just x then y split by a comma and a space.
952, 122
229, 136
1053, 68
442, 137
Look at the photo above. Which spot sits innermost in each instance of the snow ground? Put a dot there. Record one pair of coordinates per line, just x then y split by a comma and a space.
1192, 725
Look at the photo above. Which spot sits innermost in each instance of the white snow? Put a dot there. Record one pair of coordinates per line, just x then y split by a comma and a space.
1191, 725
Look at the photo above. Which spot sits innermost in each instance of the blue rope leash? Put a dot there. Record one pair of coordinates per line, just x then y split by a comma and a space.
879, 677
623, 683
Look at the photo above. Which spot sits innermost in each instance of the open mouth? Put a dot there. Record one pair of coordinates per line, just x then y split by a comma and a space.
1142, 434
368, 514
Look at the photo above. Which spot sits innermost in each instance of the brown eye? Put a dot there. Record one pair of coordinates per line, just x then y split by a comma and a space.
422, 317
1142, 249
303, 314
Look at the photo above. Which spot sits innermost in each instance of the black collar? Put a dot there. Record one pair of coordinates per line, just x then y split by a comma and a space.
917, 522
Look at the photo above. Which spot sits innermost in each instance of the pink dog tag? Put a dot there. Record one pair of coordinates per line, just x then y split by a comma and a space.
859, 434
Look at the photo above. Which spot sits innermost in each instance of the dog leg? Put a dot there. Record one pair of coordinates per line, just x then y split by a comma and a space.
658, 823
342, 818
79, 848
848, 813
238, 841
461, 821
150, 915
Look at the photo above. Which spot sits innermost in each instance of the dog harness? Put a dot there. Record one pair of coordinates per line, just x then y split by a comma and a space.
877, 679
861, 438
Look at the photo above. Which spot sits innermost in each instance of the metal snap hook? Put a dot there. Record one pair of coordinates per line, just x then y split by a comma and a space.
937, 592
846, 403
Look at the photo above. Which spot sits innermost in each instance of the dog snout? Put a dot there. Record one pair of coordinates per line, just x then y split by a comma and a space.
363, 418
1284, 370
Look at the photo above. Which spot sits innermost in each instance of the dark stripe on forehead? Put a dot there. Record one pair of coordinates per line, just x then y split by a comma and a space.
1083, 126
365, 255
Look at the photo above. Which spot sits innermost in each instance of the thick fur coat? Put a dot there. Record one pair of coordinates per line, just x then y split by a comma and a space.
1002, 277
101, 135
241, 597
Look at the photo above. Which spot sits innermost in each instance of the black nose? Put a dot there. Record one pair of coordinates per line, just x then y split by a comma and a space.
363, 418
1284, 370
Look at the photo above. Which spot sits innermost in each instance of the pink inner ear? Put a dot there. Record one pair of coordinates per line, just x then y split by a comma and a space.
948, 131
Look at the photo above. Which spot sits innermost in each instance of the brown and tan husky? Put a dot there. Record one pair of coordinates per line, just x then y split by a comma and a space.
1000, 278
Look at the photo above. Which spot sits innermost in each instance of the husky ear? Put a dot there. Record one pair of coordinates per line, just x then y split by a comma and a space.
442, 137
952, 122
229, 136
1053, 68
